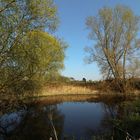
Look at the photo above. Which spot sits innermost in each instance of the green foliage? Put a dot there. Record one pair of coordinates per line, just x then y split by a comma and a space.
20, 18
38, 56
28, 53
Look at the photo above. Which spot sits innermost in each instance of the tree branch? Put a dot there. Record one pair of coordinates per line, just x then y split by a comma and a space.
7, 6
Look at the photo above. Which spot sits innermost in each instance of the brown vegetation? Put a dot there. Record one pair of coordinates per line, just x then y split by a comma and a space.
68, 89
115, 32
52, 93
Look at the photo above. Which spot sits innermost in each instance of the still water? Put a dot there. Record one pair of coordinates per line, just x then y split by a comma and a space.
82, 118
68, 120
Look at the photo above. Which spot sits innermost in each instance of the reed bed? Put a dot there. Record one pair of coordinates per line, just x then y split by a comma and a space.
66, 90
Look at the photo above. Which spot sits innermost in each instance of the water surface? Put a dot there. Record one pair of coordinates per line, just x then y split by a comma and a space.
79, 120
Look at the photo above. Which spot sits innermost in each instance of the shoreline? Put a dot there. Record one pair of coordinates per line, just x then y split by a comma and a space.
12, 102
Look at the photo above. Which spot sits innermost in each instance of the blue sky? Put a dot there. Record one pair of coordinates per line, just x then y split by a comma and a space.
72, 15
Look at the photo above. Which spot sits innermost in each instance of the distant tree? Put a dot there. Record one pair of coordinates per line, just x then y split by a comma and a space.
90, 81
114, 31
63, 79
84, 80
72, 79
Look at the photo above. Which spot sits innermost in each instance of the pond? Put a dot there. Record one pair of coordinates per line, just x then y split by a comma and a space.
78, 120
82, 118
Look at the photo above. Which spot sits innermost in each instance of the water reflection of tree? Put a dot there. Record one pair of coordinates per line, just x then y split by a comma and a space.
37, 124
112, 110
121, 121
105, 129
127, 120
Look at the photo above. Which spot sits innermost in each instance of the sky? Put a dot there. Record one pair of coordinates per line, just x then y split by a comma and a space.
72, 29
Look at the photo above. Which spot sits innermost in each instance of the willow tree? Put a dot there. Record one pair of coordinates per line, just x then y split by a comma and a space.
38, 56
114, 31
20, 16
18, 20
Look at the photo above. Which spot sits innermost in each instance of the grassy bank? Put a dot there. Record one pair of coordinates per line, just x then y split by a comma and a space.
55, 93
66, 89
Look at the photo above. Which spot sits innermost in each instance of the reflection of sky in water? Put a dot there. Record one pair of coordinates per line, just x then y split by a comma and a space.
81, 117
78, 119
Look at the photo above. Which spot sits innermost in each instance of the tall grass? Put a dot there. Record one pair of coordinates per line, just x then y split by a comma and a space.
66, 89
